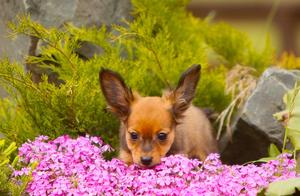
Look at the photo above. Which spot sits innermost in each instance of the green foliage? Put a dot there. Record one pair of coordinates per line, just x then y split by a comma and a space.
273, 150
4, 179
5, 172
228, 42
292, 101
234, 47
6, 152
17, 185
291, 117
260, 59
150, 52
9, 185
16, 126
283, 187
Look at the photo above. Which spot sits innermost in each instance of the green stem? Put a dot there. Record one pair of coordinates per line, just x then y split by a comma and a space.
160, 67
285, 139
53, 46
8, 77
291, 109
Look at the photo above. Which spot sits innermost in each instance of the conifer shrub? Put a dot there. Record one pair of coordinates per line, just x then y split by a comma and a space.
150, 52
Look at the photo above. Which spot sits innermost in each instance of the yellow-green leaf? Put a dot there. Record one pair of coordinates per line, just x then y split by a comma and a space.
292, 100
283, 187
273, 150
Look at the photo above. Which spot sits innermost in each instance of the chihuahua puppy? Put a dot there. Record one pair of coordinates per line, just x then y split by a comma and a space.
153, 127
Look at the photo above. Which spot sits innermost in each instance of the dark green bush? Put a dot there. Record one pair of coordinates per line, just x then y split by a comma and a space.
150, 52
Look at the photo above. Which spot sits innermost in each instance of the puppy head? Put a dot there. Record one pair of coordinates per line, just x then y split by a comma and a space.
149, 121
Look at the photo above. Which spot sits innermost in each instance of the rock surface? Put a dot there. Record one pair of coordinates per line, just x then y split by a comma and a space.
15, 49
255, 127
55, 13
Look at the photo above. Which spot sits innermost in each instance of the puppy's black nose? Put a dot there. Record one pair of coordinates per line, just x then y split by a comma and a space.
146, 160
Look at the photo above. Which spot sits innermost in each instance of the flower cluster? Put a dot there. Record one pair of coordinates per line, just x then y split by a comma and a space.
76, 167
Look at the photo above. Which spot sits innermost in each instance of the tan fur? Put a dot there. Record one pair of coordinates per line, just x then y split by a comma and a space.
193, 136
185, 128
149, 115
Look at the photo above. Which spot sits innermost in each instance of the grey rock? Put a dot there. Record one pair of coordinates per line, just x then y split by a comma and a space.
88, 50
255, 127
12, 49
55, 13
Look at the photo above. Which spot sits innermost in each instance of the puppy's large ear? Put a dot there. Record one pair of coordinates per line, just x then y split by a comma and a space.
184, 93
117, 94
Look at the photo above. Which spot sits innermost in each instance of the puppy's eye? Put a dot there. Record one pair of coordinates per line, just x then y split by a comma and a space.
162, 136
134, 135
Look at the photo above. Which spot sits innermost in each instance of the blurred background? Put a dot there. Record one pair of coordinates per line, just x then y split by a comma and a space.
256, 17
279, 19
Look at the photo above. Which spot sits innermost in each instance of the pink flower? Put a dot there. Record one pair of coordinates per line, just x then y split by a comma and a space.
76, 167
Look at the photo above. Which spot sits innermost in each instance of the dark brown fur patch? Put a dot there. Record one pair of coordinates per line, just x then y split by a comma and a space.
184, 93
116, 93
